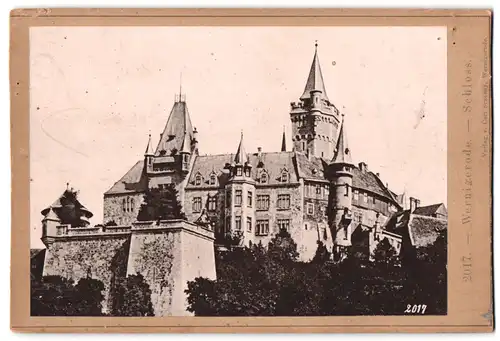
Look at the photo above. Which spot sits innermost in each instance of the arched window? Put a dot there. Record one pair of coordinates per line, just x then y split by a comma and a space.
263, 178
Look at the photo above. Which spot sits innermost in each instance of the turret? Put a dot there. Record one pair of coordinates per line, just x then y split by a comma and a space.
148, 156
240, 197
340, 174
49, 226
185, 153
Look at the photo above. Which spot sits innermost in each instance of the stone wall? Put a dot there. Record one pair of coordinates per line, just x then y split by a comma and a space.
168, 255
156, 255
114, 209
99, 257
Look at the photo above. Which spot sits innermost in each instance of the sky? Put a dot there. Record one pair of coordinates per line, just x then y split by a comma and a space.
97, 92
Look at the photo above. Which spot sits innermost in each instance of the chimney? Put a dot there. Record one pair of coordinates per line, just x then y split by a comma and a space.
417, 203
413, 204
363, 167
259, 151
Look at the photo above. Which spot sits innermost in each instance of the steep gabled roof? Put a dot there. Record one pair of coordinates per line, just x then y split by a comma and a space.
272, 163
430, 210
133, 181
425, 230
178, 124
315, 79
241, 155
56, 205
342, 152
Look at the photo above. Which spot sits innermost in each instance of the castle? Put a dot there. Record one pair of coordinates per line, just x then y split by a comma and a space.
314, 191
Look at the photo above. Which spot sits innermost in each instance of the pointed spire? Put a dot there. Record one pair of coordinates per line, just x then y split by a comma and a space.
315, 79
149, 147
186, 144
241, 156
342, 152
283, 141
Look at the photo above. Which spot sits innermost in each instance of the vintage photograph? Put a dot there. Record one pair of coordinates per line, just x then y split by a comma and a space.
238, 171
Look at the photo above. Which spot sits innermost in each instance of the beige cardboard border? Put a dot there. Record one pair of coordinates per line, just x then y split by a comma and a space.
470, 302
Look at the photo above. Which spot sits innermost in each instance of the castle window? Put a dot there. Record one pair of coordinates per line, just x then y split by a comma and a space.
212, 203
327, 191
197, 204
284, 201
212, 179
124, 205
318, 189
284, 176
150, 160
247, 172
374, 200
365, 197
262, 228
237, 221
263, 178
249, 199
228, 198
238, 171
237, 198
346, 190
249, 224
263, 202
197, 180
322, 154
310, 208
132, 205
356, 195
303, 146
283, 224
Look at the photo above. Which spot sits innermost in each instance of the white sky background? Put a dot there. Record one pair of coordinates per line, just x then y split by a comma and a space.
97, 92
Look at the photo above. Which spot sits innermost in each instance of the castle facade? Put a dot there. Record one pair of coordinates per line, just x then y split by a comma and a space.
314, 190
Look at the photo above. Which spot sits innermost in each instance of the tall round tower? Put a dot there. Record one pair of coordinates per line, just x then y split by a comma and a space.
340, 174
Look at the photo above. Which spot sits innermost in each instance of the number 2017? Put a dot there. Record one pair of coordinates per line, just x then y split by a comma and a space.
415, 309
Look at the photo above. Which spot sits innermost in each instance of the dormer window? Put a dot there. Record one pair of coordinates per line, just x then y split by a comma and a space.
284, 176
213, 179
238, 171
263, 178
197, 180
247, 172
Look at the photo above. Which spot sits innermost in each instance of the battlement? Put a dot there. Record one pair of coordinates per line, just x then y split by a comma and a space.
65, 231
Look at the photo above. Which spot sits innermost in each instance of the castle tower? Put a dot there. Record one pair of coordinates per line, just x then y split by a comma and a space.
315, 120
240, 189
49, 226
339, 173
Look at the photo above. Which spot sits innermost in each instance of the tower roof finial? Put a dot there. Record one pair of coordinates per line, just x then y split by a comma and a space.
315, 79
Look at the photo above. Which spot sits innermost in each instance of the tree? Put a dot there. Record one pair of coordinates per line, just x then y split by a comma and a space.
88, 297
132, 297
58, 296
52, 296
70, 212
282, 247
161, 204
385, 254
